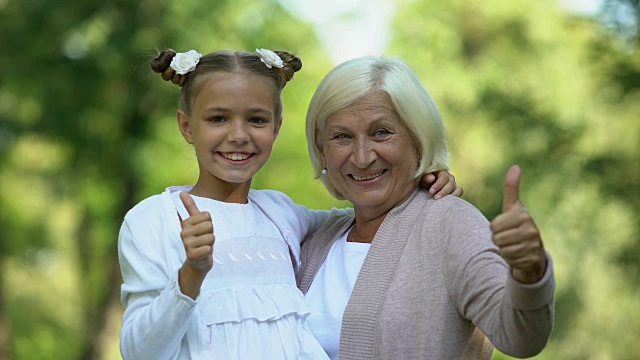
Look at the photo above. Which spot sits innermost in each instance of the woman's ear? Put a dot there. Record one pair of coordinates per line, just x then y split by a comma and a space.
185, 128
323, 159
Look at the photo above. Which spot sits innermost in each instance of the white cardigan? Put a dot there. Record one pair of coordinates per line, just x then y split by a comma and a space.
160, 322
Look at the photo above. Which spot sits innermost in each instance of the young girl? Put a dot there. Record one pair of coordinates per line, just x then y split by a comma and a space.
185, 298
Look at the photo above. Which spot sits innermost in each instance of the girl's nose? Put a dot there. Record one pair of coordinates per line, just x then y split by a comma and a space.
238, 132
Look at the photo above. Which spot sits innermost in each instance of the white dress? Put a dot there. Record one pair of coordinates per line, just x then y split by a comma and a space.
250, 303
249, 306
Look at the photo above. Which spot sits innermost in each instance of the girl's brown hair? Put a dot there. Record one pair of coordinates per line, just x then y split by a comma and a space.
229, 62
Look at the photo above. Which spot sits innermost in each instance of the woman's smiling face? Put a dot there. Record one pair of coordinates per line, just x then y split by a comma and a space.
369, 154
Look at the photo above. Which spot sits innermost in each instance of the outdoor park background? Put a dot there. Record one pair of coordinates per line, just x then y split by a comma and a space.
87, 131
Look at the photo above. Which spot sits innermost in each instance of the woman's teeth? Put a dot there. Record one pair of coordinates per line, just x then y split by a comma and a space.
368, 177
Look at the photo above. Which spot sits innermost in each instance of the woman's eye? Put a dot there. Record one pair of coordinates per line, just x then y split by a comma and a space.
340, 136
381, 133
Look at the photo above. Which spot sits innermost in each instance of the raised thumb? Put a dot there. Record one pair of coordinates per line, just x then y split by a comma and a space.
511, 188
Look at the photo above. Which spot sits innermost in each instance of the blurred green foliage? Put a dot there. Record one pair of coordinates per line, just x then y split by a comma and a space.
87, 131
522, 82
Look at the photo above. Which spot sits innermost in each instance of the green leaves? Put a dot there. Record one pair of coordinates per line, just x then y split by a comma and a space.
525, 83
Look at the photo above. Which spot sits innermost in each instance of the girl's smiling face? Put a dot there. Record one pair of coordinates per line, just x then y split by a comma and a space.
232, 127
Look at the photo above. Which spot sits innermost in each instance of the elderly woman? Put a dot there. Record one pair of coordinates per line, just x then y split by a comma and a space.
404, 276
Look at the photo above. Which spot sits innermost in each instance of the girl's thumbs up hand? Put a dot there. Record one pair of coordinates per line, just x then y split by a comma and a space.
197, 238
516, 234
197, 235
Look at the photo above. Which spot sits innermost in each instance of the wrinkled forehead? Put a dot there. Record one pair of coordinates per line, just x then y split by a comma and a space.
373, 102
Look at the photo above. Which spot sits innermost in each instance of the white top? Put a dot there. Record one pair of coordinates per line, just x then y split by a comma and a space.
249, 306
331, 289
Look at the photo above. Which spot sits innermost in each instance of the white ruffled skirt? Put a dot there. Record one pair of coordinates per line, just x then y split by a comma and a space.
257, 322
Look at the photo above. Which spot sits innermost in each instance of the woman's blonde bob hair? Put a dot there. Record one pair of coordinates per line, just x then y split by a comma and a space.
354, 79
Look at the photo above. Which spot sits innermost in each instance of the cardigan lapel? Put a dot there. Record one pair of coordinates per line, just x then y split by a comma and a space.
361, 316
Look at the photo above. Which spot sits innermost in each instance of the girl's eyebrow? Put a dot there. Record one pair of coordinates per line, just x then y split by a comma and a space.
216, 109
259, 110
224, 109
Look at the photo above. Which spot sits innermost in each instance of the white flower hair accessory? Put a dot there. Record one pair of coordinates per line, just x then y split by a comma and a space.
270, 58
183, 63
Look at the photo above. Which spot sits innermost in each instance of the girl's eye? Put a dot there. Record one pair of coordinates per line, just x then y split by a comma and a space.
257, 120
381, 133
216, 119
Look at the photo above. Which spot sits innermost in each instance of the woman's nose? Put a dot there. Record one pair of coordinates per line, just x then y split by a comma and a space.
363, 153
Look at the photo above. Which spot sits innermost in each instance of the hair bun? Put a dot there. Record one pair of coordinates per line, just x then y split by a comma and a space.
292, 64
162, 63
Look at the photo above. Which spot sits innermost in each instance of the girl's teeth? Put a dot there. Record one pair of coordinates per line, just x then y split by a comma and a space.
236, 157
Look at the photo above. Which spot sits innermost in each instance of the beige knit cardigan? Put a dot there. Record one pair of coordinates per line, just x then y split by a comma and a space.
432, 285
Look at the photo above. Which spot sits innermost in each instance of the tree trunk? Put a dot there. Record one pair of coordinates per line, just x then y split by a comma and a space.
105, 322
110, 319
4, 323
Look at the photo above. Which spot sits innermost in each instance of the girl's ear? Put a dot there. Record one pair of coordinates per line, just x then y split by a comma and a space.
185, 128
276, 128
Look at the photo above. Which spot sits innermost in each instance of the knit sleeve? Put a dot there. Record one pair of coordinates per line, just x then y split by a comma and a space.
516, 318
156, 314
